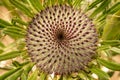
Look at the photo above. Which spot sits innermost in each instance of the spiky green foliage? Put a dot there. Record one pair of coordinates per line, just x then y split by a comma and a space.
104, 13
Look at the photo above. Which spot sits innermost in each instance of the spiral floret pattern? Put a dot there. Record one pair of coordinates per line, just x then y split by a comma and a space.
61, 40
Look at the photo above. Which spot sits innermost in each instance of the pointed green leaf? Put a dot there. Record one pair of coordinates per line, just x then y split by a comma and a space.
37, 4
10, 55
61, 77
33, 76
16, 28
7, 4
70, 2
77, 3
1, 3
14, 35
21, 45
1, 51
22, 7
111, 29
2, 26
10, 7
18, 20
23, 76
115, 49
114, 8
61, 1
28, 67
53, 2
15, 32
7, 74
111, 73
43, 76
49, 2
100, 73
24, 63
100, 8
25, 73
111, 42
111, 65
15, 75
93, 4
2, 45
4, 23
102, 17
16, 63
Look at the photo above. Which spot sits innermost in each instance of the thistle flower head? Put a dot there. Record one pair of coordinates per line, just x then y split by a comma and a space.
61, 40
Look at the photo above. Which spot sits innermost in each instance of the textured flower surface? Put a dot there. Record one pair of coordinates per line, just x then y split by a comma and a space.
61, 40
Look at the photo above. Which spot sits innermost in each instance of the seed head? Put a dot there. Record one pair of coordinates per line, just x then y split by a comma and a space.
61, 40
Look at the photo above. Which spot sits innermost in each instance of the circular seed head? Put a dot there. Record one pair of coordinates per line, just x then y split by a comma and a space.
61, 40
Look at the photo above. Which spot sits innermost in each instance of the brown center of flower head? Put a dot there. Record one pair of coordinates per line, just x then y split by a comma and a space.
61, 40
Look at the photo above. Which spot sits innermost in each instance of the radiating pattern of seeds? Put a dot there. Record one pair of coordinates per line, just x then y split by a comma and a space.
62, 40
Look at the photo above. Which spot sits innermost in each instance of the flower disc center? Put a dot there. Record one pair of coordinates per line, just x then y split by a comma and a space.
60, 36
